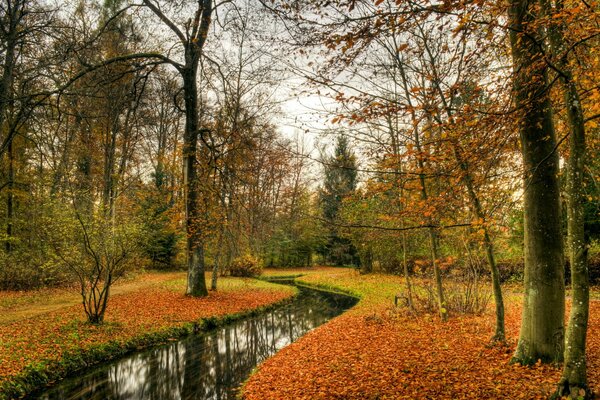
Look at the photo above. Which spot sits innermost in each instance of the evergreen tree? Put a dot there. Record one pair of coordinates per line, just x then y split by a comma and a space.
339, 182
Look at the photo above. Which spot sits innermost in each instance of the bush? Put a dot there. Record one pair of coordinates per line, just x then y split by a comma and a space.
27, 270
511, 270
464, 296
246, 266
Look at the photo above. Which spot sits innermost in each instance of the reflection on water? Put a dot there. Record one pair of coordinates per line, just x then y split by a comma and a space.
205, 366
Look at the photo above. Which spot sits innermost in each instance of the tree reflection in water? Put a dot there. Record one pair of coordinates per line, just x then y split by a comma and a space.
205, 366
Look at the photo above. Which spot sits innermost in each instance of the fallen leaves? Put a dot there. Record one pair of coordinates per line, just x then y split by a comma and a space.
47, 336
376, 352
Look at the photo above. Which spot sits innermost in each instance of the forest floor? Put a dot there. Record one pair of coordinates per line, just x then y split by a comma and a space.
43, 327
378, 351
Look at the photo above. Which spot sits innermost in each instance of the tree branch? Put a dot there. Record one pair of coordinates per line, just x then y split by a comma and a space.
166, 20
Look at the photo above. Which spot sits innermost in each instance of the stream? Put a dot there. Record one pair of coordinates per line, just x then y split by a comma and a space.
209, 365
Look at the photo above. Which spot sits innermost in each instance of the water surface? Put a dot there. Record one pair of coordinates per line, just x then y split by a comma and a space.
205, 366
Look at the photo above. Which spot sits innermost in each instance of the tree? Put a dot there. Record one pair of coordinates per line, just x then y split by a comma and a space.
542, 326
191, 39
96, 251
339, 173
574, 377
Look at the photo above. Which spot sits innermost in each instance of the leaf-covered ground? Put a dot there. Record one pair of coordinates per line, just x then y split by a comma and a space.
17, 305
375, 352
155, 302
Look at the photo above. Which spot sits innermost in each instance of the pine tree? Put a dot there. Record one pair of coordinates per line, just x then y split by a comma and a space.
339, 182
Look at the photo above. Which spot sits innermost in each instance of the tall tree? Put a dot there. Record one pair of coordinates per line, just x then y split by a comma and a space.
574, 377
340, 173
192, 39
542, 326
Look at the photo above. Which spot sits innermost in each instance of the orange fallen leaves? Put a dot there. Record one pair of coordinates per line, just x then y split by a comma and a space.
46, 337
376, 352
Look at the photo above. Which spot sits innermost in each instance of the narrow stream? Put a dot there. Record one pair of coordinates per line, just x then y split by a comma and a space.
210, 365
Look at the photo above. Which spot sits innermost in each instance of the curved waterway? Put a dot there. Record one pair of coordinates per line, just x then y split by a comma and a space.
209, 365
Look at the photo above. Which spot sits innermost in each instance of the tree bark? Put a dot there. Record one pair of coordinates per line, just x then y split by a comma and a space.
574, 377
196, 283
542, 327
10, 195
14, 19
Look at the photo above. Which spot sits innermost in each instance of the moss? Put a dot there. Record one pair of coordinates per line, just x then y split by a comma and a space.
329, 288
35, 377
276, 278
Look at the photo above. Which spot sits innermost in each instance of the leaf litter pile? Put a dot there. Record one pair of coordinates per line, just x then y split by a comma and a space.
48, 336
375, 351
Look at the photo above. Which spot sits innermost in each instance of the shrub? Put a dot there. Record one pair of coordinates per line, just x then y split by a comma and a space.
246, 266
464, 296
511, 270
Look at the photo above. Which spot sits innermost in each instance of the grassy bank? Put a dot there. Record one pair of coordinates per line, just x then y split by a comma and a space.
35, 351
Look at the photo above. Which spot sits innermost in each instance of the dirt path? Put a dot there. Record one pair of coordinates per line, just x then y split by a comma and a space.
16, 306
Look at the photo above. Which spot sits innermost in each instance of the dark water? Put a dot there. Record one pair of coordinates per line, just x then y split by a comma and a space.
206, 366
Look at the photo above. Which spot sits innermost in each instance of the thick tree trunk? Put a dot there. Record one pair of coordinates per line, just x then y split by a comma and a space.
196, 284
196, 33
574, 377
13, 23
542, 327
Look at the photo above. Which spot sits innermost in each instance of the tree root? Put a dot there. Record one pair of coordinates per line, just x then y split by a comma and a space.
574, 391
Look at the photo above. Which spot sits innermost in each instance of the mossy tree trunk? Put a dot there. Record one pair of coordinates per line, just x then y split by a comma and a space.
574, 377
542, 327
196, 282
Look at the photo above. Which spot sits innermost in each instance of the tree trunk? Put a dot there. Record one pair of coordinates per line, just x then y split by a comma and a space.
10, 214
500, 334
83, 196
475, 204
217, 261
409, 295
196, 284
433, 240
192, 41
13, 25
542, 327
437, 274
574, 377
